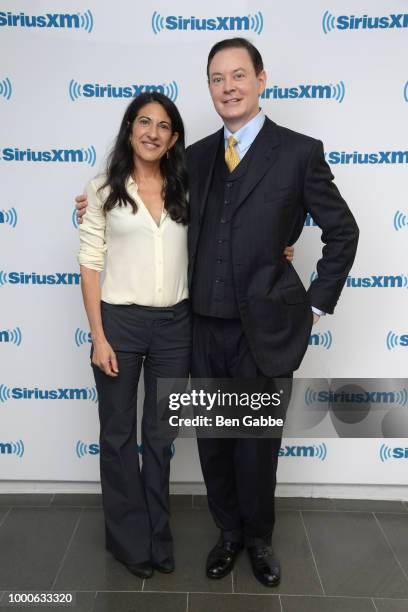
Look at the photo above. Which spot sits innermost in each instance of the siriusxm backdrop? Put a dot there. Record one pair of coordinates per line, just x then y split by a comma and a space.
337, 70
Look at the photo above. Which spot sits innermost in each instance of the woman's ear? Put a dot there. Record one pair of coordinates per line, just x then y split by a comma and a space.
174, 139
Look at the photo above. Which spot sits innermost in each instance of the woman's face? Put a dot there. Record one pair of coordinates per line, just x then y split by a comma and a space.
152, 135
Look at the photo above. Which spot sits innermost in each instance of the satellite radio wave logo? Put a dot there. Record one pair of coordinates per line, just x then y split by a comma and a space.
73, 21
324, 339
351, 22
35, 393
400, 220
306, 92
21, 278
316, 451
8, 217
12, 336
72, 156
396, 281
379, 158
82, 337
309, 221
250, 23
399, 397
386, 453
394, 340
12, 448
82, 449
6, 88
74, 219
406, 92
97, 90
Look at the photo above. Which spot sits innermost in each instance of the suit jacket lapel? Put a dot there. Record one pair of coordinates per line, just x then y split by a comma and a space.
262, 158
206, 164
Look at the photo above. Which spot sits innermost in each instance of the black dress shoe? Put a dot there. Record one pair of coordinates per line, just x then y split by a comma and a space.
221, 559
165, 567
143, 570
265, 567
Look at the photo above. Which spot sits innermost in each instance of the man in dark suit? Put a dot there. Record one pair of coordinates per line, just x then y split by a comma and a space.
251, 185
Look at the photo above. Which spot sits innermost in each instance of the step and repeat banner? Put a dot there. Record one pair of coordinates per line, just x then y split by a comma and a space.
337, 70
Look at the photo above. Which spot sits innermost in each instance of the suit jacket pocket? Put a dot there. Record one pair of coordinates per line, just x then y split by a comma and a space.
280, 194
294, 295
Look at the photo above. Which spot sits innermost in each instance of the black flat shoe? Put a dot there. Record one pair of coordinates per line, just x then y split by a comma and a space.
142, 570
265, 567
221, 559
165, 567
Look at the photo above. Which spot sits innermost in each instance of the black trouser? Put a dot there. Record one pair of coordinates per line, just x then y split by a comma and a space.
136, 501
239, 473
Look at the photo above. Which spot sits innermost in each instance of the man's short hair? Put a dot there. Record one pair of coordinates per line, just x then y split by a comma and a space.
237, 43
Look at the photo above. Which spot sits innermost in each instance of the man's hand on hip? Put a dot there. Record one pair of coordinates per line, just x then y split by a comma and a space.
81, 203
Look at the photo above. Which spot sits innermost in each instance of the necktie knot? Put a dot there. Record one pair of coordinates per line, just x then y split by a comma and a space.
231, 154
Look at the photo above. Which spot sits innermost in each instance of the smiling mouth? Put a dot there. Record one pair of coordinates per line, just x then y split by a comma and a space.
232, 101
150, 145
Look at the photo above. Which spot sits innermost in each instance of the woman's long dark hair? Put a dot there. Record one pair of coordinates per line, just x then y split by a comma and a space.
173, 166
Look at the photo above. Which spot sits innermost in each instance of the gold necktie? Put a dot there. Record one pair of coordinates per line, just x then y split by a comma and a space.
231, 156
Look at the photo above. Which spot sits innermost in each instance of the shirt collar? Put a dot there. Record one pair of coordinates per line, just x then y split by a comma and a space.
131, 181
247, 134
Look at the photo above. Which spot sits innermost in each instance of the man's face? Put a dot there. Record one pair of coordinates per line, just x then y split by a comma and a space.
234, 86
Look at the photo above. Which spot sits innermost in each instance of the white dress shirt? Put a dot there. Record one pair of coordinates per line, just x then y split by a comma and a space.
246, 135
145, 263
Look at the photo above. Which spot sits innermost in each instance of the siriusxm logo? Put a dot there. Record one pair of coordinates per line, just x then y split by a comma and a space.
97, 90
35, 393
306, 92
400, 220
355, 158
397, 452
72, 21
8, 217
365, 22
66, 156
249, 23
12, 448
82, 449
82, 337
309, 221
13, 336
364, 397
21, 278
316, 451
367, 282
394, 340
324, 339
5, 88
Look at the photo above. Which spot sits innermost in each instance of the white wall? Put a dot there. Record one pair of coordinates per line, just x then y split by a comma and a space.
363, 110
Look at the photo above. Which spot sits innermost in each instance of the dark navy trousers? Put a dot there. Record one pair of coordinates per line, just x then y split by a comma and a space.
239, 473
135, 498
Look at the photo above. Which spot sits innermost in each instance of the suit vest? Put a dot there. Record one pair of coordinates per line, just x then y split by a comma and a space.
213, 292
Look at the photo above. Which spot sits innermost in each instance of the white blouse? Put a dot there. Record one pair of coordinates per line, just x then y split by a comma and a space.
145, 263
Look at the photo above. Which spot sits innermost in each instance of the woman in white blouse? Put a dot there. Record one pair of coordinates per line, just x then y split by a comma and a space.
136, 230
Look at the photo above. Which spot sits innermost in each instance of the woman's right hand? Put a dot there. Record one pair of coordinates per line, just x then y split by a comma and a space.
104, 358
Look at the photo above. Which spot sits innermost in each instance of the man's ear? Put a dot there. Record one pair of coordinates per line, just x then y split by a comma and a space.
261, 77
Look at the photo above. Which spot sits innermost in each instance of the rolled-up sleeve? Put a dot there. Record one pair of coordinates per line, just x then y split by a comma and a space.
92, 231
